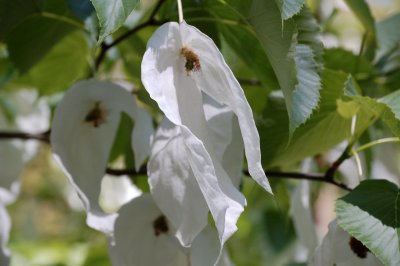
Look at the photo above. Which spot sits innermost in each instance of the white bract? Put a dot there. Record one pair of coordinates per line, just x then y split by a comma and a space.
341, 249
180, 66
83, 131
148, 239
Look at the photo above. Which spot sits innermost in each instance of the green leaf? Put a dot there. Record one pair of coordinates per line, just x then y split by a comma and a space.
388, 35
59, 68
393, 102
293, 51
346, 61
328, 126
325, 129
13, 12
392, 112
289, 8
370, 214
31, 28
112, 14
31, 40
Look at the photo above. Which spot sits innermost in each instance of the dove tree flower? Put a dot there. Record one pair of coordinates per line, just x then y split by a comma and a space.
149, 239
83, 131
179, 67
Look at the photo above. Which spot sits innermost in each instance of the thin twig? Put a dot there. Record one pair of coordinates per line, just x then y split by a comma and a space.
44, 136
304, 176
330, 173
104, 47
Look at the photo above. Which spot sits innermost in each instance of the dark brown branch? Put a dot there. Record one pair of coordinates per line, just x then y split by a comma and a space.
330, 173
44, 137
128, 171
304, 176
104, 47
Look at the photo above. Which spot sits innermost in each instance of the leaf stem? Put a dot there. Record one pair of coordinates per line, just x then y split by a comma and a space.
376, 142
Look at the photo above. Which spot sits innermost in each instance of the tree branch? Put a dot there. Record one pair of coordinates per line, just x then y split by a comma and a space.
104, 47
304, 176
330, 173
45, 137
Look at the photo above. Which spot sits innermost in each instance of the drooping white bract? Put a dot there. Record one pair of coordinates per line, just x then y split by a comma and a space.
84, 127
148, 239
173, 182
341, 249
180, 64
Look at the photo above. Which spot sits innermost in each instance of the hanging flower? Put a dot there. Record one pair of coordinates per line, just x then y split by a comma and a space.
182, 65
341, 249
83, 131
148, 239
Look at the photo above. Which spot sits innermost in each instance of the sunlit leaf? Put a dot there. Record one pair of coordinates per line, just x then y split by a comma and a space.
112, 14
59, 68
35, 29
